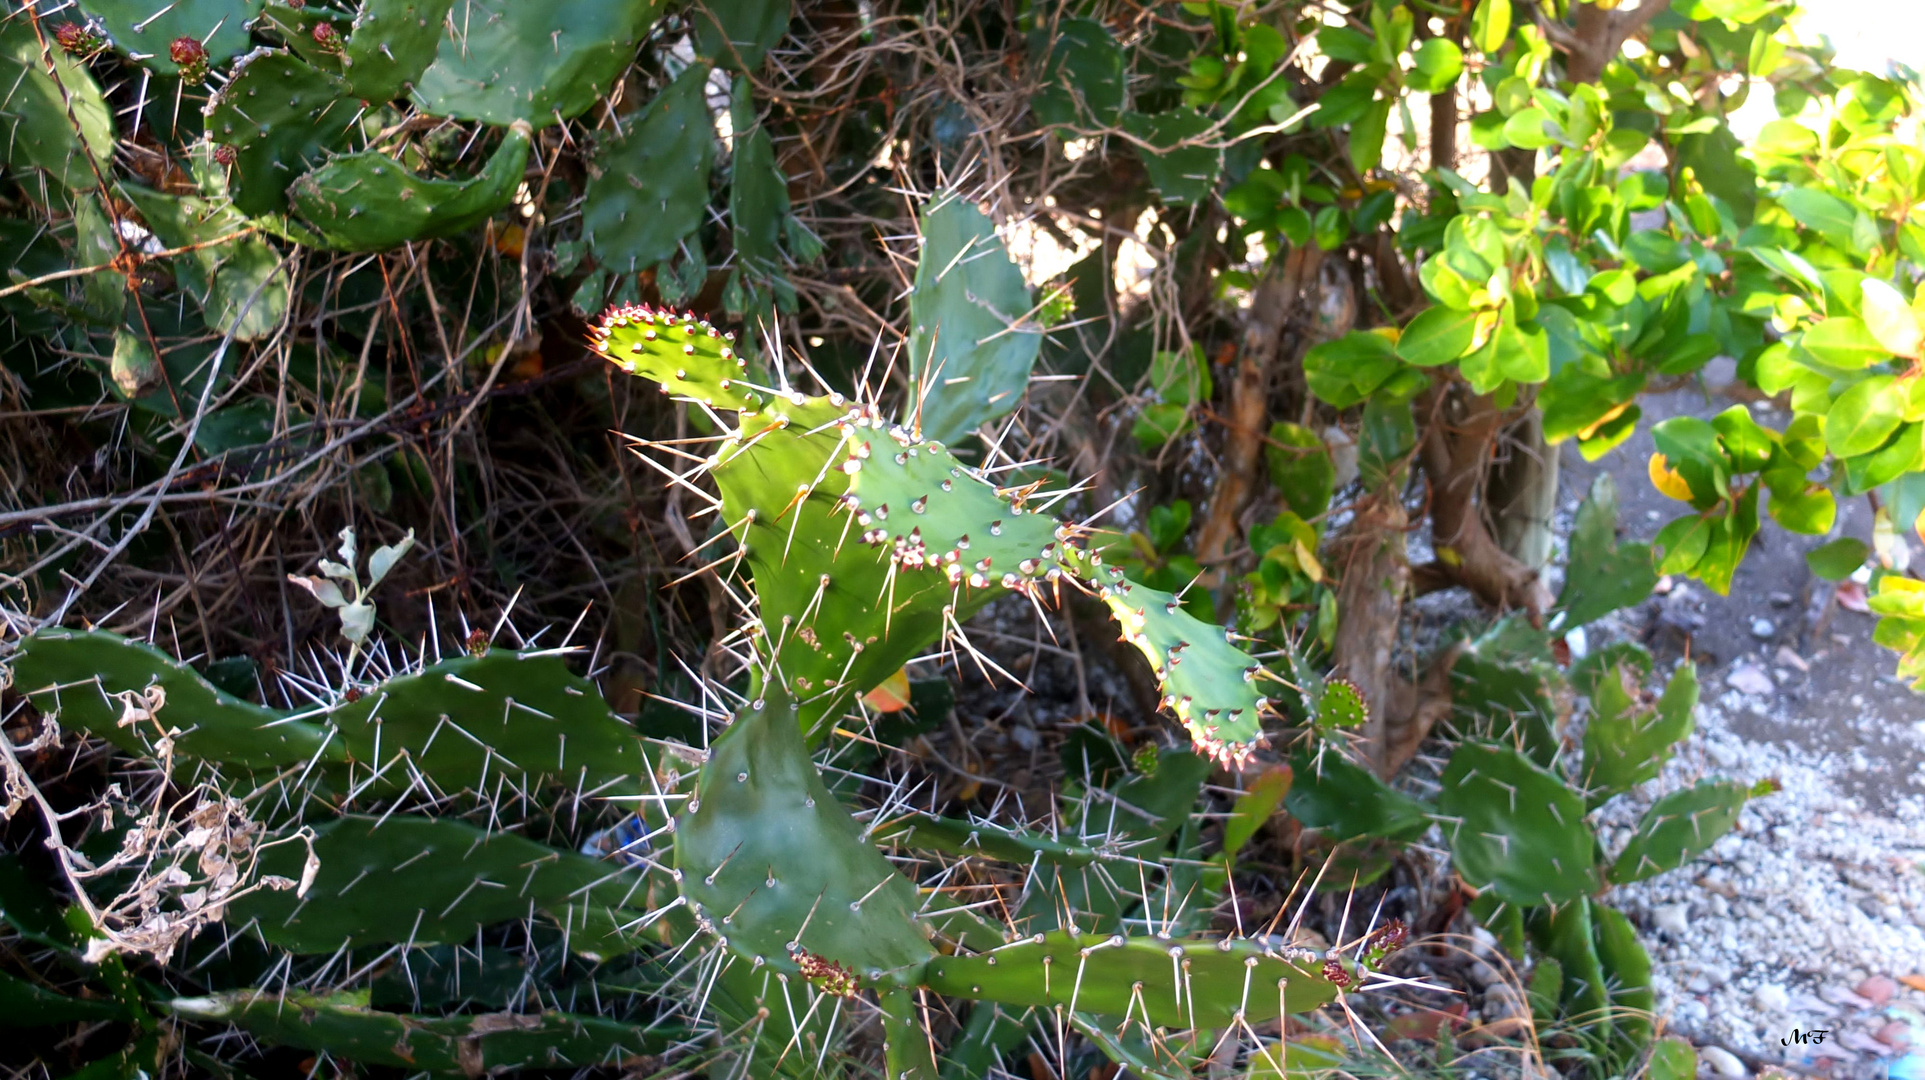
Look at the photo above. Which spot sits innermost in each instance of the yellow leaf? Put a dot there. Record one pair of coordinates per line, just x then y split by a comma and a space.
1448, 556
892, 695
1666, 479
1615, 412
1307, 559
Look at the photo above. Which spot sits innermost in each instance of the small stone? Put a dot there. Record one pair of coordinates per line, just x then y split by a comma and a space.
1749, 679
1722, 1061
1897, 1034
1787, 657
1781, 599
1671, 918
1878, 990
1763, 628
1771, 998
1916, 982
1838, 995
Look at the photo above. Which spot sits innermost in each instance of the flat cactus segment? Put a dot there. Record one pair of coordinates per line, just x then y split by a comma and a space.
1514, 827
1568, 934
282, 116
908, 1053
654, 179
344, 1026
1680, 827
773, 863
1182, 983
431, 881
540, 63
737, 33
686, 356
90, 679
931, 833
1626, 744
1500, 695
369, 201
34, 126
1330, 792
391, 44
143, 30
971, 347
1603, 574
1627, 973
464, 721
240, 283
1209, 683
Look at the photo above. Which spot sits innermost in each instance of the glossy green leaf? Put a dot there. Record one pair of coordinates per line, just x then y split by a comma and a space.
1844, 341
1863, 417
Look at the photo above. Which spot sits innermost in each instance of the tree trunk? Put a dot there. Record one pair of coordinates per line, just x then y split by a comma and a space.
1249, 402
1456, 453
1521, 494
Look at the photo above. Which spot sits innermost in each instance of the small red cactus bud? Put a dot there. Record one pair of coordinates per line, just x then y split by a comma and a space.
828, 976
327, 37
190, 56
297, 5
1390, 937
79, 39
477, 643
1334, 973
225, 154
353, 695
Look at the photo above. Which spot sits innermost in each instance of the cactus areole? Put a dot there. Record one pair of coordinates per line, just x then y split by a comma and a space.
867, 542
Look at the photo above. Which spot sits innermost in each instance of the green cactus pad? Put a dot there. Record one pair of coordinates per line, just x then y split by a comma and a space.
467, 720
282, 116
369, 201
430, 881
34, 125
654, 179
773, 864
540, 63
1567, 934
686, 356
143, 29
391, 43
240, 284
1626, 744
1176, 983
1603, 575
296, 27
344, 1026
74, 675
970, 348
1504, 696
1346, 800
1209, 683
737, 33
1514, 827
908, 1053
929, 832
1627, 974
1679, 828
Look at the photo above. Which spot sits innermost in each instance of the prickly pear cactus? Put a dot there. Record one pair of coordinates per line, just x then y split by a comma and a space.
866, 543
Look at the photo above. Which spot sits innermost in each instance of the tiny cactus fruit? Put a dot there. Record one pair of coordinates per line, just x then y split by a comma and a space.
225, 155
191, 57
327, 38
80, 39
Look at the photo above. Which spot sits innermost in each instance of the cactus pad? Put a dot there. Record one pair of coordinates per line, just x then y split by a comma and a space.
1514, 827
467, 719
144, 29
369, 201
344, 1026
282, 116
654, 179
772, 863
1176, 983
540, 63
1626, 744
391, 43
1346, 800
240, 283
434, 880
88, 678
34, 127
1679, 827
